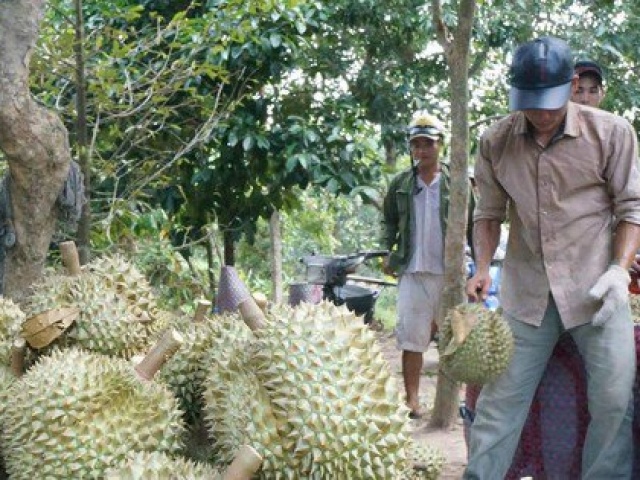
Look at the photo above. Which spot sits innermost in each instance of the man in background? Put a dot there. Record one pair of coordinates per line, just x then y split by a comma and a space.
590, 89
413, 231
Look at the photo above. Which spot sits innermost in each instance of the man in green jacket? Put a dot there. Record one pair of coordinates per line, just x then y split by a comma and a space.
414, 213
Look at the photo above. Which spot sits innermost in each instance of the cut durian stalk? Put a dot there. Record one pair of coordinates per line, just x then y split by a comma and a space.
252, 314
244, 465
70, 257
18, 353
159, 354
202, 308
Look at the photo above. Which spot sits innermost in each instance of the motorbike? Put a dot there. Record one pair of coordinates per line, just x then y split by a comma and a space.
340, 283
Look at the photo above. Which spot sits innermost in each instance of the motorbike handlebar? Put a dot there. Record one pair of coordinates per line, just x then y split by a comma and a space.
334, 268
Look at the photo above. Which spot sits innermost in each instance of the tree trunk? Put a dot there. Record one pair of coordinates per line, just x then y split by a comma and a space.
229, 248
213, 284
275, 233
390, 153
84, 225
457, 54
35, 143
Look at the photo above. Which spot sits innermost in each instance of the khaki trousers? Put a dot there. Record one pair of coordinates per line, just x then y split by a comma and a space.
503, 406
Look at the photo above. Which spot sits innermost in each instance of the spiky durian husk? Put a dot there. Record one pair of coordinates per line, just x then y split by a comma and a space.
11, 319
107, 322
7, 378
160, 466
236, 407
427, 462
75, 413
127, 281
317, 395
186, 371
485, 352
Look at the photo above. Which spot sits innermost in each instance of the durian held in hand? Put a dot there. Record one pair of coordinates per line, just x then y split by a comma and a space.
476, 344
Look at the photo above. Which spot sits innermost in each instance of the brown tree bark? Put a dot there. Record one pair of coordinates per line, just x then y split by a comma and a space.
82, 137
275, 234
456, 50
229, 248
35, 144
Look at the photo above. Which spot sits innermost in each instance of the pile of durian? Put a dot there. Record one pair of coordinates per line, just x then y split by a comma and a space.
313, 394
305, 389
118, 313
476, 344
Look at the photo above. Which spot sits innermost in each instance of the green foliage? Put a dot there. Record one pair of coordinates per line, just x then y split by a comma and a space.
221, 112
325, 225
177, 284
142, 234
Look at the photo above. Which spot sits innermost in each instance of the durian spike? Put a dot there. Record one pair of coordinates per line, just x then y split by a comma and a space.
252, 315
159, 354
70, 258
202, 308
246, 462
18, 351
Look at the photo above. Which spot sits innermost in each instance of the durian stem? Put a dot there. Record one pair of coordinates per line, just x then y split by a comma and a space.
246, 462
18, 351
162, 351
202, 308
70, 258
252, 315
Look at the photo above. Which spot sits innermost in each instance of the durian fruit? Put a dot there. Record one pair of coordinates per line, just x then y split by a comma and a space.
123, 276
109, 321
476, 344
186, 371
75, 413
7, 378
312, 393
160, 466
427, 462
234, 401
11, 319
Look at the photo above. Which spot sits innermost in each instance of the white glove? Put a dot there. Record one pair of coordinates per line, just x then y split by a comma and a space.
613, 289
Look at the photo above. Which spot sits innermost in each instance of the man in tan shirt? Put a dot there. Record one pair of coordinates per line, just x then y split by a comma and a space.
567, 178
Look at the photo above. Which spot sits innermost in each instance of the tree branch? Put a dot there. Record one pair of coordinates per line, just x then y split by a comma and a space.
442, 32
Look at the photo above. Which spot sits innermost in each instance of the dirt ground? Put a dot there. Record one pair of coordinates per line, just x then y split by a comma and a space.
450, 442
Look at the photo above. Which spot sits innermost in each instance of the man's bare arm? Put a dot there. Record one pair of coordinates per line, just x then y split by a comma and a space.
486, 236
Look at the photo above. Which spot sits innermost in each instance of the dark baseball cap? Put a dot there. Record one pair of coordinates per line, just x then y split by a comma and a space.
588, 67
540, 75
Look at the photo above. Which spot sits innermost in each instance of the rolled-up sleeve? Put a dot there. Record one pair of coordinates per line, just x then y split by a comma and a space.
492, 200
623, 174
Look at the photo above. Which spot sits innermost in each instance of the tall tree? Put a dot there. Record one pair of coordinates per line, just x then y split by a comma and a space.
35, 144
456, 45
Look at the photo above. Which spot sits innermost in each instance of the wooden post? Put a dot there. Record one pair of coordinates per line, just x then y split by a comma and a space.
246, 462
70, 258
159, 354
